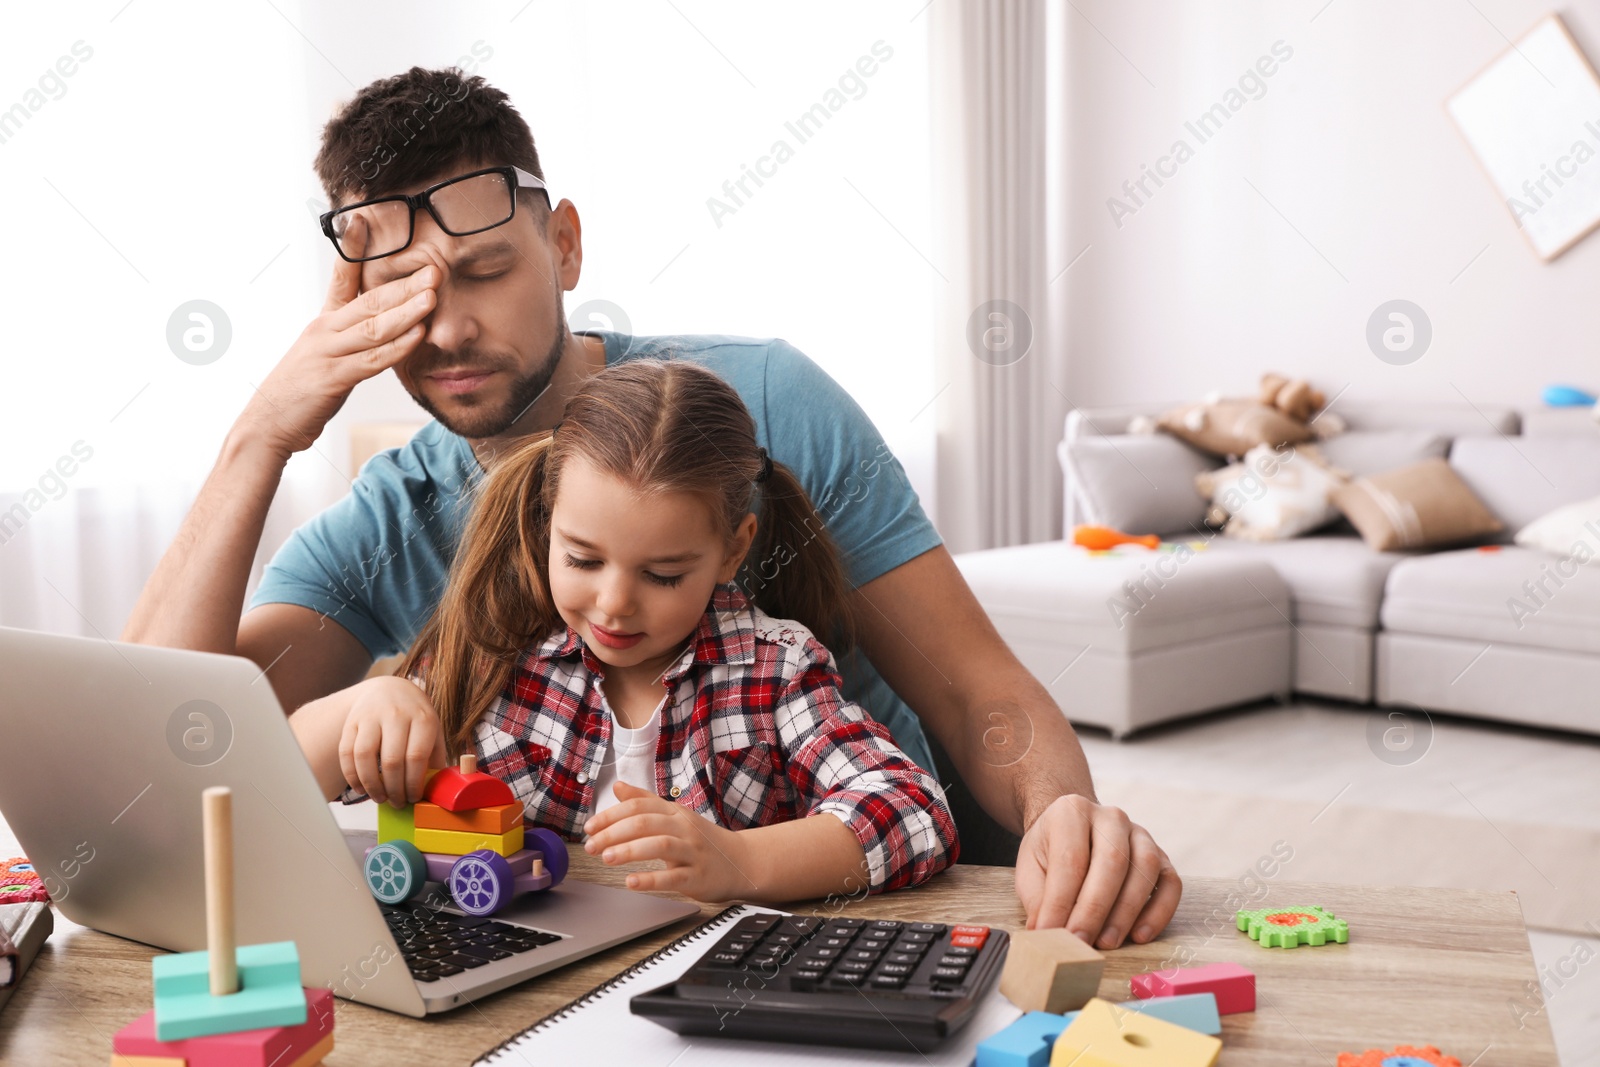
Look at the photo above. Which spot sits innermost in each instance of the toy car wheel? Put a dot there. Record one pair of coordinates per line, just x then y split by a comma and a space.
481, 882
549, 845
395, 871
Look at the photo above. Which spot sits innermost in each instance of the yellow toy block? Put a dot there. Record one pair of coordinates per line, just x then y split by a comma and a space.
1104, 1035
455, 843
395, 824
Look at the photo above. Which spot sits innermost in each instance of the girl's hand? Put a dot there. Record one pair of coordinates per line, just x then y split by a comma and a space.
703, 860
391, 737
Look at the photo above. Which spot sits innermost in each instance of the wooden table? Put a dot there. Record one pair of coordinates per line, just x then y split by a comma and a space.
1423, 966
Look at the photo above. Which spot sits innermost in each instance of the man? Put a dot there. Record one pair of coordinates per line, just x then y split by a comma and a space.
453, 261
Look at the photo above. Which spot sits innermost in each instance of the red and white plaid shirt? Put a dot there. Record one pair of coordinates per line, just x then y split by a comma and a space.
754, 731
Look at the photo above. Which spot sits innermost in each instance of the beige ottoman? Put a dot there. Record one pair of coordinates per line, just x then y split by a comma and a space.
1131, 638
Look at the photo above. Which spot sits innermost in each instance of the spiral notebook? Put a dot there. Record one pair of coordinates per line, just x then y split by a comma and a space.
599, 1028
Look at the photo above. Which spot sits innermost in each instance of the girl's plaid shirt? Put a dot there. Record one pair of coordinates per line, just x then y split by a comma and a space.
754, 731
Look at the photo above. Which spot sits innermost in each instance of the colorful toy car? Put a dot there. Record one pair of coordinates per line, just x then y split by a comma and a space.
467, 833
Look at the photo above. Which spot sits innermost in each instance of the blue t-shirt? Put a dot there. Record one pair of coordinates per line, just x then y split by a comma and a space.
376, 562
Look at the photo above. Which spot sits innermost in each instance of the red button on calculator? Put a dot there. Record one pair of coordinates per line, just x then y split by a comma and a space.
968, 936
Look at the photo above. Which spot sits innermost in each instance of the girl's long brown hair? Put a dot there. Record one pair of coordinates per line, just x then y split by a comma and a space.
658, 426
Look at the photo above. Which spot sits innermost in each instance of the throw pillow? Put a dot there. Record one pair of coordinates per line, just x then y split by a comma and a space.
1273, 494
1233, 427
1136, 483
1424, 505
1571, 531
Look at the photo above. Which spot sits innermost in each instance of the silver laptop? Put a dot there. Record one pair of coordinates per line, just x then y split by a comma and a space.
104, 750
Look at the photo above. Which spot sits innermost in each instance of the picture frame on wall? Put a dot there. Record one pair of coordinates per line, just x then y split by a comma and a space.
1532, 119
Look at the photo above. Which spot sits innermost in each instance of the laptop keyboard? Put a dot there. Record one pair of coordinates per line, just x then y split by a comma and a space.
438, 944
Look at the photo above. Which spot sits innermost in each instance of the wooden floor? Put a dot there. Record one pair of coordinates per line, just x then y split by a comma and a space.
1505, 773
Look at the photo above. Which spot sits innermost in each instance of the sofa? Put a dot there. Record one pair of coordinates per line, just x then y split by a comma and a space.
1131, 638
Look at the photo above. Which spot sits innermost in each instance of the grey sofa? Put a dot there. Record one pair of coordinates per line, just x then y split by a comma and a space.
1320, 614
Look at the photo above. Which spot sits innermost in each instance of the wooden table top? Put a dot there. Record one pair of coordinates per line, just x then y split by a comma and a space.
1444, 967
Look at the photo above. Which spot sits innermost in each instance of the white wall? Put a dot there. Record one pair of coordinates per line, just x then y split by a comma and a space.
1207, 285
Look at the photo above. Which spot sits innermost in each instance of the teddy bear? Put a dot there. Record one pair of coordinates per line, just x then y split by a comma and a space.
1296, 398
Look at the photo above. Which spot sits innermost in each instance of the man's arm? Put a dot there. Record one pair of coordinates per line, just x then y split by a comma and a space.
1082, 864
195, 597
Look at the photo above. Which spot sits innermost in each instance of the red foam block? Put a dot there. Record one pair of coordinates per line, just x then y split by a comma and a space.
1232, 985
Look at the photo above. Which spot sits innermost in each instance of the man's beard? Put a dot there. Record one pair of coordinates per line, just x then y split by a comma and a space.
484, 422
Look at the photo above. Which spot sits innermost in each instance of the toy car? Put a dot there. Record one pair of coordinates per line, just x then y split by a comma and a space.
467, 833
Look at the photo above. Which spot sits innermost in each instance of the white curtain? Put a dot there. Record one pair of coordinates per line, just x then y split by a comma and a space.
998, 231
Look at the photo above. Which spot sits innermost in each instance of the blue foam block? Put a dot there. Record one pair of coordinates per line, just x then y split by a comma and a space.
1192, 1011
269, 993
1025, 1043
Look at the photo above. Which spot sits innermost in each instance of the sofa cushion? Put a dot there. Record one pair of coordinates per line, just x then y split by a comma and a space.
1332, 580
1137, 483
1232, 427
1522, 478
1125, 601
1570, 530
1509, 595
1425, 505
1362, 452
1553, 422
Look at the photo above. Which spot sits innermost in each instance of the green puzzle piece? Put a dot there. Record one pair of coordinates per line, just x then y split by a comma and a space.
269, 993
1292, 927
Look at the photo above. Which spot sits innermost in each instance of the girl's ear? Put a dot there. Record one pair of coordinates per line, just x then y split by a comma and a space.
743, 537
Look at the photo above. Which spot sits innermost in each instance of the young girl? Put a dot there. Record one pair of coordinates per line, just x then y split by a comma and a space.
592, 648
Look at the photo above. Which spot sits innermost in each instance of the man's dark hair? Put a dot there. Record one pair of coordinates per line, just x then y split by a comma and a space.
419, 126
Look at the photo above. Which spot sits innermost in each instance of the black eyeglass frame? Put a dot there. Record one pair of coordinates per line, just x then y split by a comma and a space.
515, 177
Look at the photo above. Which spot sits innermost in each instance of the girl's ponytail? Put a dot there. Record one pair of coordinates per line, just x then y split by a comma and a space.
793, 570
495, 602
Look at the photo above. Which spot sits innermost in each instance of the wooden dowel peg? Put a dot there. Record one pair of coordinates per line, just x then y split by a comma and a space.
217, 819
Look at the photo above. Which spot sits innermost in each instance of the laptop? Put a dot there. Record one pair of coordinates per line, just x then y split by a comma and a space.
105, 748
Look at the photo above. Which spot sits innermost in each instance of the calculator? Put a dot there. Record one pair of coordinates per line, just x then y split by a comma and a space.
874, 983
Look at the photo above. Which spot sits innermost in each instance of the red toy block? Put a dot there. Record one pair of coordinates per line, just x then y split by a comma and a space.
275, 1046
465, 788
1232, 985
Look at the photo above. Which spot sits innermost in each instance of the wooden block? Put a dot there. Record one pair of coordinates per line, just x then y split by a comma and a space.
495, 819
1050, 970
454, 790
1104, 1035
269, 992
396, 824
1233, 985
313, 1055
278, 1046
146, 1061
455, 843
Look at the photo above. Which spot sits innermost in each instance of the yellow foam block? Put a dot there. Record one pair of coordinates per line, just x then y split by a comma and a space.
313, 1055
1104, 1035
456, 843
147, 1061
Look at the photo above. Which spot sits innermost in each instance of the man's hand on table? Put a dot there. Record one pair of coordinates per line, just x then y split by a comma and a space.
1087, 867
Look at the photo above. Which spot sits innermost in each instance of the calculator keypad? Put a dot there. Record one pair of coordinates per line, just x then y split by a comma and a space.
804, 953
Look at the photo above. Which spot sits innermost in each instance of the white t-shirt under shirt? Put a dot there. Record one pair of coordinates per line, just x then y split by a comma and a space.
632, 759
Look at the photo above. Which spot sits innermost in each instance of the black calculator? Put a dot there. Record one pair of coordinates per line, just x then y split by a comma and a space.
873, 983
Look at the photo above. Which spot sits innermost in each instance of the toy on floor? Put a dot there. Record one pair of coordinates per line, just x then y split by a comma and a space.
228, 1005
1028, 1041
1104, 1035
1050, 970
1567, 396
1102, 538
1404, 1056
1291, 927
466, 832
19, 882
1232, 985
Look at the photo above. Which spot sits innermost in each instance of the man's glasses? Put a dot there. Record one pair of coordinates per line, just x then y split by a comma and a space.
465, 204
